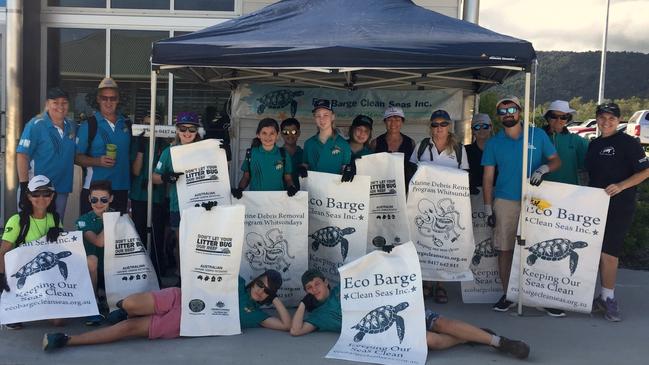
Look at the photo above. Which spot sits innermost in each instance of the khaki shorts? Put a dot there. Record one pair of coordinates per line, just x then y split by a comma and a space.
507, 213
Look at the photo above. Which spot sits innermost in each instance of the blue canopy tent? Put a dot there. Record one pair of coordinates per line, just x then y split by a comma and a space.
347, 45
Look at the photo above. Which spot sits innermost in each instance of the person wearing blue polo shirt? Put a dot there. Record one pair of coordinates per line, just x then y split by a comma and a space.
327, 151
505, 152
47, 148
107, 156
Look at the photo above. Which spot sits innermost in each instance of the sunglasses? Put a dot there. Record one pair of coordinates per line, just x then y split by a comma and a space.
108, 98
505, 111
41, 194
95, 200
480, 126
260, 284
442, 124
184, 129
562, 117
291, 132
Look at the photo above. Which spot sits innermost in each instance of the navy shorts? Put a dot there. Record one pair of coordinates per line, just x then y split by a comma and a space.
174, 220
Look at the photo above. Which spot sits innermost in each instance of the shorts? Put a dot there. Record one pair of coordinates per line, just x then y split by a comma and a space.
507, 214
165, 322
174, 220
618, 223
431, 318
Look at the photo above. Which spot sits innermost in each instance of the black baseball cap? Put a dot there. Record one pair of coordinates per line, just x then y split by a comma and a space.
608, 108
322, 104
56, 92
362, 120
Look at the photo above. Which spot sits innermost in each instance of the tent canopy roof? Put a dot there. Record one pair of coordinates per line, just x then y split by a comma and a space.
347, 44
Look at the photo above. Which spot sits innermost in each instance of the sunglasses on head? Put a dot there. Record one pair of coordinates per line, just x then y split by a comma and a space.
562, 117
442, 124
505, 111
260, 284
184, 129
480, 126
41, 193
95, 200
108, 98
287, 132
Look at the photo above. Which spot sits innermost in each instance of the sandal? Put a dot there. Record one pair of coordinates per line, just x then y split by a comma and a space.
427, 289
440, 297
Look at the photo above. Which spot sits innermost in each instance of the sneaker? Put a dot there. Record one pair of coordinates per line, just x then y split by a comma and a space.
518, 349
503, 304
94, 320
116, 316
14, 326
552, 312
609, 307
489, 331
52, 341
431, 317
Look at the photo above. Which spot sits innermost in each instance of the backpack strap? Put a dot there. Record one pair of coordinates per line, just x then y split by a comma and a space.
282, 153
458, 154
24, 229
92, 132
422, 147
248, 158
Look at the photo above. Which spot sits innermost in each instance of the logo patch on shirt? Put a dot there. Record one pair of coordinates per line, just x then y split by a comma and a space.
279, 165
25, 143
335, 150
81, 224
8, 229
644, 159
531, 146
607, 151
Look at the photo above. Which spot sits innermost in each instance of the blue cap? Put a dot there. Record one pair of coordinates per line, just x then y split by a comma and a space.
439, 113
187, 118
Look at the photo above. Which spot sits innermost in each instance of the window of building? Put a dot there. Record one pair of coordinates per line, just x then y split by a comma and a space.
78, 3
209, 5
140, 4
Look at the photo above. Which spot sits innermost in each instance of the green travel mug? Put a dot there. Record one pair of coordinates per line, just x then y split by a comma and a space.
111, 151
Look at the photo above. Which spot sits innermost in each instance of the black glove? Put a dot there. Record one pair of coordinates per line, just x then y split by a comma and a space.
224, 146
291, 190
473, 190
270, 297
387, 248
302, 171
209, 205
237, 193
141, 144
349, 171
3, 283
53, 234
491, 220
310, 302
23, 191
171, 177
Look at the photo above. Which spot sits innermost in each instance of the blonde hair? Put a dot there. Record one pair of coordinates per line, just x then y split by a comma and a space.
451, 142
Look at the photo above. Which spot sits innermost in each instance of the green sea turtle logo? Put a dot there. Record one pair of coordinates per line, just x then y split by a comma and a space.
42, 262
380, 320
279, 99
554, 250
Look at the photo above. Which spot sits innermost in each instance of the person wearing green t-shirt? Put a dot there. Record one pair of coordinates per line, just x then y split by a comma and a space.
38, 218
327, 151
157, 314
320, 309
290, 128
360, 135
187, 125
266, 166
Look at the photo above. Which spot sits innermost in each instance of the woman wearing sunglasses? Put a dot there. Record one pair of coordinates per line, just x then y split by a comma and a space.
481, 131
441, 148
186, 132
570, 146
37, 219
157, 314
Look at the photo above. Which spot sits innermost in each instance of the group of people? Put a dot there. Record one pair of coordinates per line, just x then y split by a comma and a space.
116, 166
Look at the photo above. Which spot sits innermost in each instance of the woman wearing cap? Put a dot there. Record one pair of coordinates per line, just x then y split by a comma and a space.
360, 134
186, 132
481, 131
395, 141
441, 148
157, 314
570, 146
38, 218
616, 163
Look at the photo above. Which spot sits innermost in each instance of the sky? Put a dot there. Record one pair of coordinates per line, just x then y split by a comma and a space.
570, 25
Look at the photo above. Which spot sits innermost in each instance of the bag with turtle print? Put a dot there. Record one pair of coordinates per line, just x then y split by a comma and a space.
382, 309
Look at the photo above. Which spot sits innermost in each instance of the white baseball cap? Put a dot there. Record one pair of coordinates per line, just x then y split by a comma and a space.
107, 83
561, 106
40, 182
511, 99
480, 118
392, 111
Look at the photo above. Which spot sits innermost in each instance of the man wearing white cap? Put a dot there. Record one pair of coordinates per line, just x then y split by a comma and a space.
505, 152
570, 147
395, 141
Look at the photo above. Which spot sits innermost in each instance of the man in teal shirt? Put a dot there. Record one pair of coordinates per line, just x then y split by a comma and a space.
322, 303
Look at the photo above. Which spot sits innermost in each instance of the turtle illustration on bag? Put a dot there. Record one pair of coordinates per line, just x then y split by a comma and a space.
279, 99
483, 249
42, 262
554, 250
380, 320
330, 237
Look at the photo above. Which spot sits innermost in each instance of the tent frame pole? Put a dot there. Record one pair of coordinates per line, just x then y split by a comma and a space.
521, 219
149, 192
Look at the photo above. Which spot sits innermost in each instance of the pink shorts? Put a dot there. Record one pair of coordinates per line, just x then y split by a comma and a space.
165, 322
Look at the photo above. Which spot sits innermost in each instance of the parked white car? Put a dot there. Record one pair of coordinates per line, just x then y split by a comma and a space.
634, 126
592, 135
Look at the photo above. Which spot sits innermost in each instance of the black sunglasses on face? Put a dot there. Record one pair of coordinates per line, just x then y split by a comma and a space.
41, 194
95, 200
480, 126
108, 98
260, 284
562, 117
184, 129
287, 132
442, 124
505, 111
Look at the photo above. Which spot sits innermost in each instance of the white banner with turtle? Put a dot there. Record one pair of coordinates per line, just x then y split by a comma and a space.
205, 173
127, 266
387, 219
486, 286
210, 256
564, 226
337, 221
48, 280
276, 229
383, 309
439, 209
